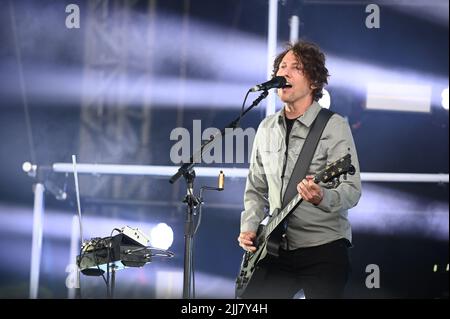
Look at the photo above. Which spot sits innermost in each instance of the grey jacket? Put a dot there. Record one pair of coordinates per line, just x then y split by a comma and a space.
308, 225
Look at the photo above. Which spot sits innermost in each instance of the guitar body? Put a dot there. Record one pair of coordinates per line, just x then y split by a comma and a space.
252, 265
251, 262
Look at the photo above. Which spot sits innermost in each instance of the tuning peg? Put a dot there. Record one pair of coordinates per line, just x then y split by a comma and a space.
352, 170
333, 183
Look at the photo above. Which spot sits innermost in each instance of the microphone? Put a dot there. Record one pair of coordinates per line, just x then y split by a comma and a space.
275, 82
221, 181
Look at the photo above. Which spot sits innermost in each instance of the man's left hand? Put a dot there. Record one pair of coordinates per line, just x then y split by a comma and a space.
310, 191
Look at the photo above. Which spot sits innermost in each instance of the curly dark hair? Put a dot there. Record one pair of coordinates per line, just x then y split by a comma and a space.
313, 61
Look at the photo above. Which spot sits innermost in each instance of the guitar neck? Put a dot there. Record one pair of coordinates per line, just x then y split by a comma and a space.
276, 220
331, 172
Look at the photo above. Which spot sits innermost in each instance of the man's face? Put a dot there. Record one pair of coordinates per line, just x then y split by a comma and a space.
292, 70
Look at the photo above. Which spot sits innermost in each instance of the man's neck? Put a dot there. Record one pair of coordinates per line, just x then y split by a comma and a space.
297, 109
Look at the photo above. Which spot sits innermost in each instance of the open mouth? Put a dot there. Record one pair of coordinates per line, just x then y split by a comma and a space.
287, 86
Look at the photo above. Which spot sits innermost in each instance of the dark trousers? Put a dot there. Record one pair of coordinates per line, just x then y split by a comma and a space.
321, 272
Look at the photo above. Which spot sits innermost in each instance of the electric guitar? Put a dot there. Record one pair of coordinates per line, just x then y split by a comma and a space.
268, 238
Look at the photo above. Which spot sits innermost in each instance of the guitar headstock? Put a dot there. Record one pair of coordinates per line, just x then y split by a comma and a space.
342, 166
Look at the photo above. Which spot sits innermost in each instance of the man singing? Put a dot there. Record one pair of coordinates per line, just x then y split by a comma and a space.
313, 254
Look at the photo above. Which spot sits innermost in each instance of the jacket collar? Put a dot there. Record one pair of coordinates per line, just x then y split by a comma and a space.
306, 118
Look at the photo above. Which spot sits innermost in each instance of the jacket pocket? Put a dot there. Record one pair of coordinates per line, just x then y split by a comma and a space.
272, 156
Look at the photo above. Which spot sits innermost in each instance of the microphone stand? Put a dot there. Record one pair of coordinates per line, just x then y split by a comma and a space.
187, 171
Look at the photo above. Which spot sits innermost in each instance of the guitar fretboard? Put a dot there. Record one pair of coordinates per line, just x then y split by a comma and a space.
276, 220
332, 171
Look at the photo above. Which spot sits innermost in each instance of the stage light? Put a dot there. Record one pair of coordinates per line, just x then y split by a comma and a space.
398, 97
404, 89
27, 167
161, 236
325, 100
444, 96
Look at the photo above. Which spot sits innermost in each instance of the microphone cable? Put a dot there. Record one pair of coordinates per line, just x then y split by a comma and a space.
242, 108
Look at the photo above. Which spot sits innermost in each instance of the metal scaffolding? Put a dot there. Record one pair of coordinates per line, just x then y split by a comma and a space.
112, 131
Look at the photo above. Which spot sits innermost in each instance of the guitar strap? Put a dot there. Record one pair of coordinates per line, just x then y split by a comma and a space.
301, 168
306, 154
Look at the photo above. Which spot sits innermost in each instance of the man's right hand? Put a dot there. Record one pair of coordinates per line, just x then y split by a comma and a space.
245, 240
